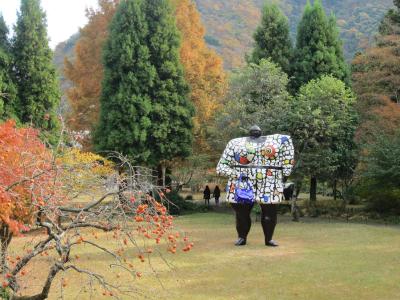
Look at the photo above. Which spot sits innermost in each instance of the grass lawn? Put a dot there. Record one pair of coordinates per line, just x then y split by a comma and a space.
316, 260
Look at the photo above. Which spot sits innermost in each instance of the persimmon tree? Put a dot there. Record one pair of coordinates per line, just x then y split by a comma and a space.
25, 172
72, 200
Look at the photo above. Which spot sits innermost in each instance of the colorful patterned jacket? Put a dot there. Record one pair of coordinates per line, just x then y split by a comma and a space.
264, 160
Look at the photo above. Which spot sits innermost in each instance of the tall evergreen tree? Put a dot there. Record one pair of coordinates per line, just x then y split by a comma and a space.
125, 102
172, 112
35, 74
318, 48
272, 38
7, 87
145, 111
339, 63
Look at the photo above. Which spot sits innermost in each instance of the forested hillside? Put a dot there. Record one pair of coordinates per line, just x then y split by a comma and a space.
230, 23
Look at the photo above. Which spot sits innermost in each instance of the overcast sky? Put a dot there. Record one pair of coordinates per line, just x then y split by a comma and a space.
64, 17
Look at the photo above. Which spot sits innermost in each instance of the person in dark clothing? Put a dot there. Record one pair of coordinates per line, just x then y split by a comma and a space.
216, 195
207, 195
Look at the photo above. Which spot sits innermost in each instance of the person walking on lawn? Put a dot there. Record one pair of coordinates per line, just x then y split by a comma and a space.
216, 195
207, 196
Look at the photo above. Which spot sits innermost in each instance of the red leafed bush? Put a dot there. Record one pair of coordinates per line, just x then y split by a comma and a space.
25, 172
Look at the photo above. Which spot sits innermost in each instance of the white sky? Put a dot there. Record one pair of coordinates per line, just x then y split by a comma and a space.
64, 17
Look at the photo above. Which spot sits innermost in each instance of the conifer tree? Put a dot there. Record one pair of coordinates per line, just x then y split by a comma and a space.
145, 111
318, 49
35, 74
7, 87
125, 102
172, 111
203, 68
339, 63
272, 38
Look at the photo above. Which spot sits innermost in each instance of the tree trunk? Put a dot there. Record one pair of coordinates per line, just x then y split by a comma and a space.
298, 189
313, 190
163, 173
5, 239
121, 186
345, 187
44, 294
334, 189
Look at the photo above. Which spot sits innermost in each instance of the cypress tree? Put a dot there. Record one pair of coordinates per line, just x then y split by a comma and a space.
7, 87
35, 74
272, 38
129, 78
339, 63
318, 49
145, 110
172, 111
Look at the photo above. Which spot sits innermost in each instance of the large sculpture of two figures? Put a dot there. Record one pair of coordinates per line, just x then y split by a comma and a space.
256, 167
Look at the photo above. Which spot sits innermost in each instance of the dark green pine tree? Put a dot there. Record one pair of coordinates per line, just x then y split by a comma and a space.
129, 79
7, 88
318, 49
172, 111
272, 38
35, 74
339, 62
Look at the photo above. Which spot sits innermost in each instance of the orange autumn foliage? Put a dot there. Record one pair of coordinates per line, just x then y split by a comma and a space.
376, 79
25, 174
203, 69
85, 71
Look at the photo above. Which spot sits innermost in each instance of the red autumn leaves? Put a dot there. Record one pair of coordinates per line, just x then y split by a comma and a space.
25, 174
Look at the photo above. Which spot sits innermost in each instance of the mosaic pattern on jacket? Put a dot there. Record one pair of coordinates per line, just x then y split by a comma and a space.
273, 150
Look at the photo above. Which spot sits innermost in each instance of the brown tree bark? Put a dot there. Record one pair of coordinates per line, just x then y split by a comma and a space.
5, 239
313, 190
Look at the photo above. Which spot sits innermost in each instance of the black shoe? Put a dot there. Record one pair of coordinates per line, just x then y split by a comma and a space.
240, 242
271, 243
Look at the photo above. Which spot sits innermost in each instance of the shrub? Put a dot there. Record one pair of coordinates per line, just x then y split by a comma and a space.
178, 204
189, 197
379, 175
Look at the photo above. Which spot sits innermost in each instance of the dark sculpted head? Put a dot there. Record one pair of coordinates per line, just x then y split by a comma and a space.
255, 131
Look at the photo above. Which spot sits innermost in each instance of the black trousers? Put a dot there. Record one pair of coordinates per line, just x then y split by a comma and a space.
269, 217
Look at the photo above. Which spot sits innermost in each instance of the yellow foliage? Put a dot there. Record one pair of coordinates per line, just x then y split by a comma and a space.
83, 169
87, 162
203, 69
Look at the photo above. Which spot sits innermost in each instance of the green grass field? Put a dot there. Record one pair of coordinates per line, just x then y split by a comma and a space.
316, 260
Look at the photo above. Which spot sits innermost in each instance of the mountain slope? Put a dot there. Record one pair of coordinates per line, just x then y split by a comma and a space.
230, 24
